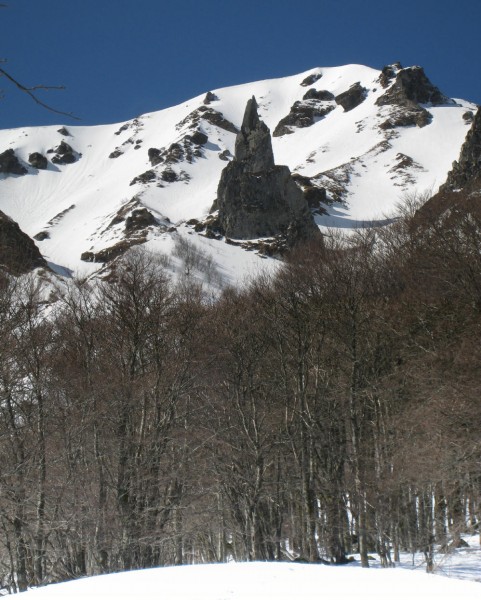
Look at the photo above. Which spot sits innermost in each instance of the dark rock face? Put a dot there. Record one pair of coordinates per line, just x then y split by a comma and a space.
63, 131
10, 164
311, 79
388, 73
315, 195
41, 235
155, 156
255, 197
412, 86
144, 177
38, 160
169, 175
410, 89
18, 252
466, 171
139, 219
352, 97
314, 94
210, 115
210, 97
109, 254
186, 149
303, 114
216, 118
225, 155
253, 144
199, 138
412, 116
64, 154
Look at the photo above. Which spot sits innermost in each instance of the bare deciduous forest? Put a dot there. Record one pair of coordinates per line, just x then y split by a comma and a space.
332, 409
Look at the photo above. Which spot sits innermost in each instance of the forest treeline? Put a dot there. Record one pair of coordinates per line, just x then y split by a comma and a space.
330, 409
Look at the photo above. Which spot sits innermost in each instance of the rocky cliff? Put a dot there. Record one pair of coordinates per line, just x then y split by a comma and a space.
466, 171
18, 252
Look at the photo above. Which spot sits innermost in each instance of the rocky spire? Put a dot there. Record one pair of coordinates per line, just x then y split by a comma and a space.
253, 144
255, 197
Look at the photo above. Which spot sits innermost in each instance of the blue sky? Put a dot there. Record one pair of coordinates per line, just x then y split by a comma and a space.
120, 58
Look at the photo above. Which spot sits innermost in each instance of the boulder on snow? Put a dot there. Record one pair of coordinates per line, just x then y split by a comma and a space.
352, 97
311, 79
64, 154
210, 97
155, 156
140, 218
199, 138
41, 235
144, 177
314, 94
38, 161
10, 164
302, 114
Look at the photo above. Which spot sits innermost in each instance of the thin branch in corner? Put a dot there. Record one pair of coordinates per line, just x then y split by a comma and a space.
30, 92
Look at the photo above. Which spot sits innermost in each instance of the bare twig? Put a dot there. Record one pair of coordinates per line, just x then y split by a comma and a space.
30, 90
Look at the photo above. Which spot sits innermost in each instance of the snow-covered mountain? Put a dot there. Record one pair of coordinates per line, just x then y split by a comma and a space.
357, 141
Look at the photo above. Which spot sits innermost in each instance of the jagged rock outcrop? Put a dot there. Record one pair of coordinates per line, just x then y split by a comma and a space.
10, 164
255, 197
466, 171
139, 219
18, 252
314, 94
38, 161
64, 154
352, 97
410, 89
412, 85
187, 149
388, 73
314, 105
253, 145
210, 115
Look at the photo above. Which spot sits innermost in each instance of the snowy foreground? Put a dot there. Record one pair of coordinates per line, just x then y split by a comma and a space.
268, 581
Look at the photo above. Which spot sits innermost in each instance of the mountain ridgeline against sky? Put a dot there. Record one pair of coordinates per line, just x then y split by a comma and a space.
355, 142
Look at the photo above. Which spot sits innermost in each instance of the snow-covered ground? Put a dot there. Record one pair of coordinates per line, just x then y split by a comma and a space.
458, 575
76, 206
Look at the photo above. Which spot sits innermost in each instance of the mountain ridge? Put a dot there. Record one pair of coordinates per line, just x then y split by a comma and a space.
356, 160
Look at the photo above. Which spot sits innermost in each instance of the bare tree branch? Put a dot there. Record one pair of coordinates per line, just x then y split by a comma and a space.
30, 90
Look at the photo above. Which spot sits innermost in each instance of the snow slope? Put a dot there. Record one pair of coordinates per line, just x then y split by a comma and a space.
263, 581
78, 205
